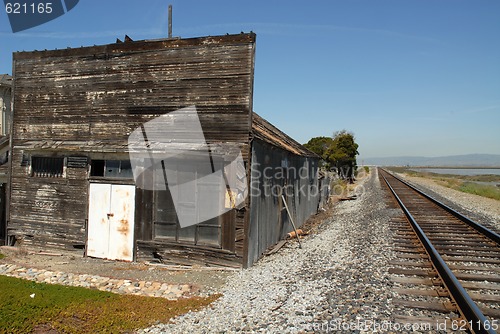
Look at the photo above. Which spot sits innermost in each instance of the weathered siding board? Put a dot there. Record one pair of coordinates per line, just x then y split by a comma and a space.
182, 254
52, 208
239, 237
100, 95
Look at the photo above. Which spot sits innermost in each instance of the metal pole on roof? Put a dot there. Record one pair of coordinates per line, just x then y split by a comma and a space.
169, 21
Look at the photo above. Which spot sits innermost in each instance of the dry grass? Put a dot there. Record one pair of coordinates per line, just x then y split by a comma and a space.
463, 183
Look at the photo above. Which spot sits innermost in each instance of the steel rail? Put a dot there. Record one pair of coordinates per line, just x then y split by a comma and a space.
476, 320
478, 227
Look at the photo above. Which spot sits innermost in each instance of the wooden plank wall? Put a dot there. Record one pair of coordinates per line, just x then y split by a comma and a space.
88, 100
48, 212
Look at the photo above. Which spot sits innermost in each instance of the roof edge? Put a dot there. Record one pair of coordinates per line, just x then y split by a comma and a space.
140, 45
265, 131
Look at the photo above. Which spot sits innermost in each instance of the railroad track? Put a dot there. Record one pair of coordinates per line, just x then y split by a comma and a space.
446, 264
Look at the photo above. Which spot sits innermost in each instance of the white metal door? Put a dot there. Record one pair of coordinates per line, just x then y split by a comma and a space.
98, 224
121, 223
111, 221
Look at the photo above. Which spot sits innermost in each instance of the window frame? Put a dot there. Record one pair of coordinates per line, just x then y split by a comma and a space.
177, 238
196, 240
104, 175
39, 174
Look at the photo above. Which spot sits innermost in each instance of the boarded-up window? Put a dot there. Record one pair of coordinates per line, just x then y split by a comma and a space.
47, 166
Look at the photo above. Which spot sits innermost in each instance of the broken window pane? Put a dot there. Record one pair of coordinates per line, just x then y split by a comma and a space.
111, 168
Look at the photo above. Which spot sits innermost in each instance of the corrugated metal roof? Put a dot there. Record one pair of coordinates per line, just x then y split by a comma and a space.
267, 132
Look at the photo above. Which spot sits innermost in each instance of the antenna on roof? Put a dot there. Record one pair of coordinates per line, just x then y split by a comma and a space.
169, 21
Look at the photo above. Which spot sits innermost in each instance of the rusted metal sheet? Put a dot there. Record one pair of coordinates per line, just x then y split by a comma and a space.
111, 221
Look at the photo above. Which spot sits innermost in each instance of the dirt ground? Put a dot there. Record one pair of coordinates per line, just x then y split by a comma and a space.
207, 281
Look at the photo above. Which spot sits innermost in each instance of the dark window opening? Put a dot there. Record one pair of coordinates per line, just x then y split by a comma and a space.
111, 168
97, 168
47, 167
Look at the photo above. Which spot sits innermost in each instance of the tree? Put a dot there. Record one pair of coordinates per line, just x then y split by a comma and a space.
342, 154
320, 145
337, 152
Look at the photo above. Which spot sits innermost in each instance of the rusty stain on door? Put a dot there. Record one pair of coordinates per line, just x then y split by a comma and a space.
111, 221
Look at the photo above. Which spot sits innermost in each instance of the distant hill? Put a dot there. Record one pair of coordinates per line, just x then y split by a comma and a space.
468, 160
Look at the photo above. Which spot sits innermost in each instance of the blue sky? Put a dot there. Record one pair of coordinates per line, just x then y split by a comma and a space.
407, 77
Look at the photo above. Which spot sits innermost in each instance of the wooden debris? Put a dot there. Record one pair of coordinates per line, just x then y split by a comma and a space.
179, 267
276, 247
348, 198
46, 253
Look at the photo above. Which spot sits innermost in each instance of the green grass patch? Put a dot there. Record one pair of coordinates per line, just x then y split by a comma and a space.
480, 189
2, 256
79, 310
367, 169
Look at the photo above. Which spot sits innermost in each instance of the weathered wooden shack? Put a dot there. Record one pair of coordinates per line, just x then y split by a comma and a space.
71, 181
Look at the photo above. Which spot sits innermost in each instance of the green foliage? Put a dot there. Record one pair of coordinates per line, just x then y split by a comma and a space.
319, 145
367, 169
342, 153
1, 256
79, 310
338, 152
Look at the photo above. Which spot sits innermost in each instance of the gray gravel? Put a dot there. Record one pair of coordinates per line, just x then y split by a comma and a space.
336, 282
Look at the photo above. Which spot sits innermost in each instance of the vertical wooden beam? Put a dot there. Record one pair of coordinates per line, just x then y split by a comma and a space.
228, 230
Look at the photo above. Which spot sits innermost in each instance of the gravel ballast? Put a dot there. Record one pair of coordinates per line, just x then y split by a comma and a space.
483, 210
337, 281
